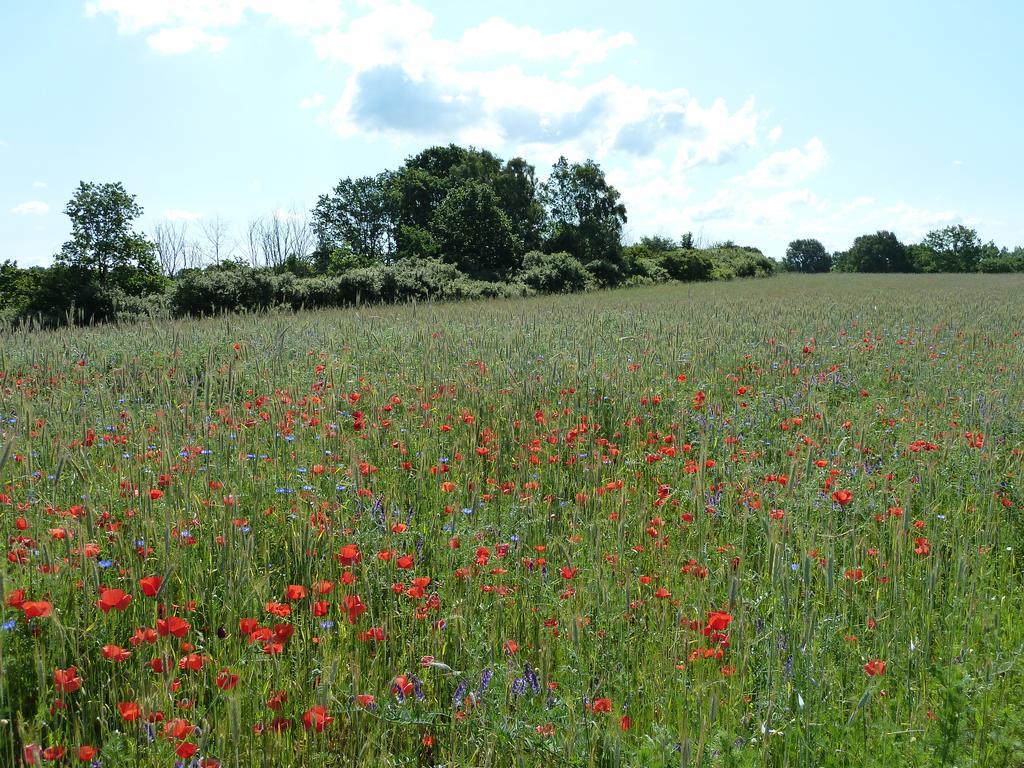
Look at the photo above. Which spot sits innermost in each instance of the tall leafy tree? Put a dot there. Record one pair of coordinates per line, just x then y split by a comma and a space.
952, 249
475, 234
585, 218
880, 252
518, 190
103, 238
359, 218
807, 255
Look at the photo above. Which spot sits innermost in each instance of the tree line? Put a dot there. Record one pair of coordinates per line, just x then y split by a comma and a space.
450, 222
956, 248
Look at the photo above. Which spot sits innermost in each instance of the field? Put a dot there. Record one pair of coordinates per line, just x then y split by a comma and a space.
762, 523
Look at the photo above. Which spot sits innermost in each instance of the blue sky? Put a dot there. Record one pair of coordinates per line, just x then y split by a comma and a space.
751, 121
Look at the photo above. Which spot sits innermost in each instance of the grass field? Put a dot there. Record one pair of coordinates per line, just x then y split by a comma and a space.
761, 523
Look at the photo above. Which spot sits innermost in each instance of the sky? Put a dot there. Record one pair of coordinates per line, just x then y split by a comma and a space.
747, 121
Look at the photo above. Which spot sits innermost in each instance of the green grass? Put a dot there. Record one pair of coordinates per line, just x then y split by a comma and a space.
599, 459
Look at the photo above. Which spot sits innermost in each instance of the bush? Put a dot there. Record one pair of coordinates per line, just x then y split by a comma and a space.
554, 273
1002, 264
229, 288
409, 280
648, 271
735, 261
686, 265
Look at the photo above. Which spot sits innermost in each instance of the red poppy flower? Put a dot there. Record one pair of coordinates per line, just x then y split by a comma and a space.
87, 753
67, 680
402, 686
178, 729
52, 754
316, 718
115, 653
349, 555
129, 710
37, 609
226, 680
174, 625
116, 599
842, 498
143, 635
295, 592
186, 749
874, 667
155, 494
150, 585
717, 621
355, 607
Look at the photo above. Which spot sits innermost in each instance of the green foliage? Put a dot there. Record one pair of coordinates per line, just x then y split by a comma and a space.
554, 273
687, 265
952, 249
102, 237
230, 287
417, 243
1002, 264
807, 255
475, 234
647, 271
358, 218
585, 218
736, 261
880, 252
17, 288
658, 244
337, 261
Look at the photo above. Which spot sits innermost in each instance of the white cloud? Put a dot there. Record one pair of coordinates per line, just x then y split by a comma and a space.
31, 208
311, 102
39, 184
497, 36
180, 26
493, 84
174, 41
788, 167
912, 222
517, 89
180, 214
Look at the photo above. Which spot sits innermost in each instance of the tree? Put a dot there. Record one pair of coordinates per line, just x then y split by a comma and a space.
102, 237
655, 244
952, 249
475, 234
17, 288
358, 218
172, 246
807, 255
585, 218
880, 252
273, 239
216, 247
517, 188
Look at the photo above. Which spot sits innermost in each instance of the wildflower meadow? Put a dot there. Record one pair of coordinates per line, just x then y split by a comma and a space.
761, 523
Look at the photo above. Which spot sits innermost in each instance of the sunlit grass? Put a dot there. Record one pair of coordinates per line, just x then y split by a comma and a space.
622, 570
